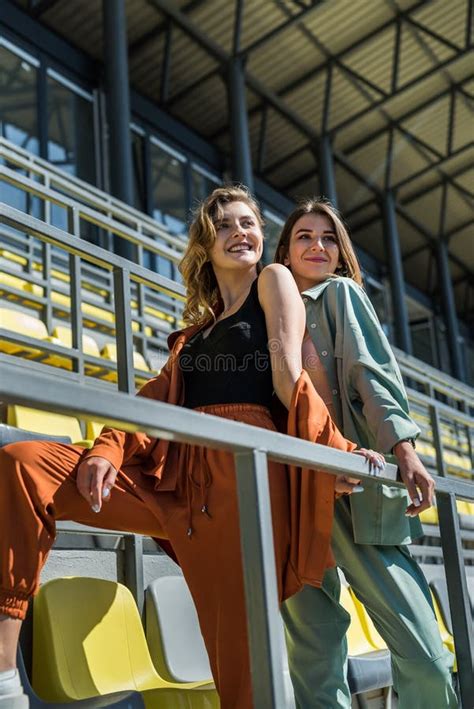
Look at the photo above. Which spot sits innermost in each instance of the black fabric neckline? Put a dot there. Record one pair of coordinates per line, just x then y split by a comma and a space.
229, 317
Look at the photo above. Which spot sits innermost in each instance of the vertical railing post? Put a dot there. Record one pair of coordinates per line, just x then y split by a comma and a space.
134, 578
458, 594
75, 293
260, 583
123, 330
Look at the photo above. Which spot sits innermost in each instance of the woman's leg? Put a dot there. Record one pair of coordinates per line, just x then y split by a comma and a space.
396, 595
37, 488
315, 631
211, 560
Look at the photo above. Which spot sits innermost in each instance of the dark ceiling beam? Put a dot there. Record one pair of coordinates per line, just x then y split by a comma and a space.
418, 226
40, 7
246, 51
435, 185
152, 35
276, 31
434, 35
457, 87
401, 89
447, 235
381, 131
432, 166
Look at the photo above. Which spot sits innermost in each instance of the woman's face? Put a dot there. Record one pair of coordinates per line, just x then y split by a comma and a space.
313, 252
239, 238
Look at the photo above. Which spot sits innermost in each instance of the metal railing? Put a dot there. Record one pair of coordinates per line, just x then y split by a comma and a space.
252, 447
37, 386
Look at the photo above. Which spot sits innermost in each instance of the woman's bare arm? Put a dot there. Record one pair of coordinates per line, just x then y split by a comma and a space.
285, 318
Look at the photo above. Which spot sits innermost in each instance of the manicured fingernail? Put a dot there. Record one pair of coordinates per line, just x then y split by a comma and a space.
95, 508
416, 502
106, 491
357, 488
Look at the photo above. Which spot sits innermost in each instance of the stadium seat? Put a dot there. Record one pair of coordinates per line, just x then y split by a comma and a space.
370, 631
118, 700
44, 422
93, 430
466, 514
443, 616
11, 434
172, 631
109, 351
22, 324
368, 668
63, 336
430, 516
104, 643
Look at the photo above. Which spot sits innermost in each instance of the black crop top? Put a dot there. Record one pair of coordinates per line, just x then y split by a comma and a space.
232, 364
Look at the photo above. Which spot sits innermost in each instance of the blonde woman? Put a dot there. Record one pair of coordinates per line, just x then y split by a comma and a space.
219, 365
350, 363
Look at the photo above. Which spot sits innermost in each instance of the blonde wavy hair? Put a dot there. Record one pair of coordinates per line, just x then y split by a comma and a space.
202, 291
318, 205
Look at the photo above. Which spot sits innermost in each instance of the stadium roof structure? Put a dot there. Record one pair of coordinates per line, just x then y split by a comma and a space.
390, 82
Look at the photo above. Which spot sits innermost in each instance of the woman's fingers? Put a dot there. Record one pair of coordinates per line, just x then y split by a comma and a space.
346, 485
375, 460
95, 476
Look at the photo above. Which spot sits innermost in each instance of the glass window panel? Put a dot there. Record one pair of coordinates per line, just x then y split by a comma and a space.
168, 189
18, 101
71, 131
272, 231
202, 184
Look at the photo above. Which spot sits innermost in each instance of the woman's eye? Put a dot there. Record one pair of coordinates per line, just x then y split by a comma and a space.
331, 239
303, 236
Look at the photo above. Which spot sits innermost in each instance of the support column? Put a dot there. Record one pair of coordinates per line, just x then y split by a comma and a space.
118, 108
239, 129
327, 179
449, 311
397, 283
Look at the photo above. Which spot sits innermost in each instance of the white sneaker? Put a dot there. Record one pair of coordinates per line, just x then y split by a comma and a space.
11, 691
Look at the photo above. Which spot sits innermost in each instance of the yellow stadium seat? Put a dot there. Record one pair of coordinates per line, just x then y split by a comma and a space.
22, 324
357, 639
63, 336
370, 631
93, 430
430, 516
14, 258
446, 637
105, 645
44, 422
110, 352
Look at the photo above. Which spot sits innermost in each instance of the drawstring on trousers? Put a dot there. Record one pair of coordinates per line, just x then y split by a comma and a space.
194, 457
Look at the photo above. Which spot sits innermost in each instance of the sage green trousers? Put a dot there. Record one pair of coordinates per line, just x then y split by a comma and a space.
395, 593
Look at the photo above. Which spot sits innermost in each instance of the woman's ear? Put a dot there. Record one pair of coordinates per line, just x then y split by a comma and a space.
286, 261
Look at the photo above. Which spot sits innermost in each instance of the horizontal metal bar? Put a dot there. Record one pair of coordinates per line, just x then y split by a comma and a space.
175, 423
97, 218
82, 191
89, 252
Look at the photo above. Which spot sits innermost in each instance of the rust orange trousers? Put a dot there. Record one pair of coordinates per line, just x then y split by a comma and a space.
200, 518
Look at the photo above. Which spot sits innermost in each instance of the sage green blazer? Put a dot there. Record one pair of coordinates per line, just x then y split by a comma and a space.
369, 399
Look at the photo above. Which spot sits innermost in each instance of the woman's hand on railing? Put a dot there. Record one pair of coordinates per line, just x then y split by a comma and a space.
415, 476
95, 480
346, 485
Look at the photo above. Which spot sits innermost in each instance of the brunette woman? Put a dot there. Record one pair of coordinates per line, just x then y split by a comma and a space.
351, 364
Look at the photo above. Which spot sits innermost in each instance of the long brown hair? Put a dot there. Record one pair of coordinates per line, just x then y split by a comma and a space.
202, 291
318, 205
